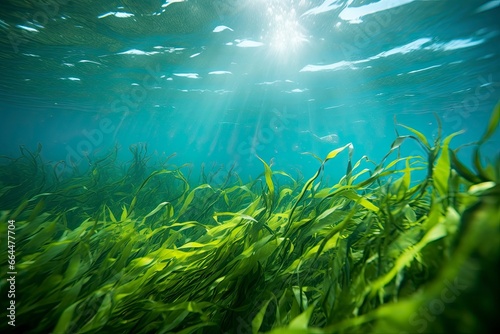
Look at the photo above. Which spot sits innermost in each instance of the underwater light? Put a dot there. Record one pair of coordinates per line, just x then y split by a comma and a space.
285, 33
331, 138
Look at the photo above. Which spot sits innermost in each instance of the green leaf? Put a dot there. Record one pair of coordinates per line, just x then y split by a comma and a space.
306, 187
419, 135
190, 197
111, 216
64, 322
335, 152
259, 317
479, 189
302, 320
492, 125
268, 175
158, 208
351, 194
73, 267
124, 214
410, 214
461, 169
132, 205
442, 169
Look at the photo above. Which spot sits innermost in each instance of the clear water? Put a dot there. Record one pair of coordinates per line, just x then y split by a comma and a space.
224, 81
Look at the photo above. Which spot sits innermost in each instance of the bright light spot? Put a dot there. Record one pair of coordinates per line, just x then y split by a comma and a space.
123, 15
354, 14
297, 90
221, 28
249, 44
187, 75
3, 24
285, 33
456, 44
89, 61
168, 3
117, 14
219, 72
137, 52
487, 6
326, 6
27, 28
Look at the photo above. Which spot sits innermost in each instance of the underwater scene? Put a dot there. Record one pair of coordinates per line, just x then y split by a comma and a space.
301, 166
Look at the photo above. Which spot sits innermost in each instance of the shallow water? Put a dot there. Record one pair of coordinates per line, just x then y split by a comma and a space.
249, 166
223, 81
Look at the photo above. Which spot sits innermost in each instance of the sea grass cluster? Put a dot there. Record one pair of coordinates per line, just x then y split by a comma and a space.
140, 248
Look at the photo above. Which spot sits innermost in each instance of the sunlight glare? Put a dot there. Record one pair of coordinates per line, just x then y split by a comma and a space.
285, 32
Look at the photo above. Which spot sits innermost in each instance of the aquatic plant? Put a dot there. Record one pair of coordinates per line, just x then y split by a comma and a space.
374, 253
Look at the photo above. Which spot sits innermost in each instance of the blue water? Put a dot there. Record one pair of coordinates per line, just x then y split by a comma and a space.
220, 82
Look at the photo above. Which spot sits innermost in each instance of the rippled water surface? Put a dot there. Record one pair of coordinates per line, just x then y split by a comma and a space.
224, 81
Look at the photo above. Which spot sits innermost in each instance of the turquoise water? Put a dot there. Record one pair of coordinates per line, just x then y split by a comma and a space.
220, 82
187, 229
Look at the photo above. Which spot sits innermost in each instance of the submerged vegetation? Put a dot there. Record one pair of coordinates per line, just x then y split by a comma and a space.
127, 249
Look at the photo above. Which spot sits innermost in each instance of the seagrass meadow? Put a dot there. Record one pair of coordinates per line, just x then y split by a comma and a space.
152, 253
